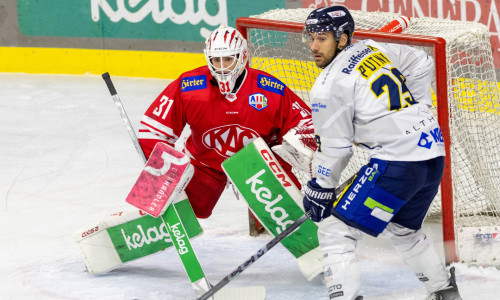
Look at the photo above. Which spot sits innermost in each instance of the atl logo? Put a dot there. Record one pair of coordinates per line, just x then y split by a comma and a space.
228, 139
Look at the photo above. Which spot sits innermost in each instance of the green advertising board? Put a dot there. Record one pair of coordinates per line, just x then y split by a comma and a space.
182, 20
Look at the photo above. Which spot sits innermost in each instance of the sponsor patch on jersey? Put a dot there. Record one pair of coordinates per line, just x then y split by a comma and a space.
257, 101
315, 107
271, 84
433, 136
371, 64
354, 59
194, 83
228, 139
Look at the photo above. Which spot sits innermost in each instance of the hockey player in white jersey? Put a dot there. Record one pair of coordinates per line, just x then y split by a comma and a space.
376, 96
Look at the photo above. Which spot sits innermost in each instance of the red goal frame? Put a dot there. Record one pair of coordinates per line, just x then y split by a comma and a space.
438, 44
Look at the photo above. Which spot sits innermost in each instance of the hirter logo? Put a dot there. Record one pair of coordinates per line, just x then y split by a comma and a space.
257, 101
229, 139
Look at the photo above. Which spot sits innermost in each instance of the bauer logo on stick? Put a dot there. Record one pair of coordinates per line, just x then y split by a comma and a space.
165, 176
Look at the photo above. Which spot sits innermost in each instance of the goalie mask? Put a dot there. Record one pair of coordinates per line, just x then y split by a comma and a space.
226, 54
335, 18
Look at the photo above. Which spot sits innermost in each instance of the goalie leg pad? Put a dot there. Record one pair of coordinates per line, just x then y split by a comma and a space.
271, 196
129, 235
310, 263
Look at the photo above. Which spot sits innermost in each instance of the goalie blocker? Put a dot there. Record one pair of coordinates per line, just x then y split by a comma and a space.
275, 201
163, 179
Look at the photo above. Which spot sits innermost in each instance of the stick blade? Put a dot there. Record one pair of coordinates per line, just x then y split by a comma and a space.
243, 293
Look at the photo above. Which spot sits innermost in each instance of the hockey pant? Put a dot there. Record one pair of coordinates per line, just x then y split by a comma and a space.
342, 270
207, 185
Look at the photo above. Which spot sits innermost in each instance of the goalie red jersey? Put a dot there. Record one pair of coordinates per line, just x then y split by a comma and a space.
221, 125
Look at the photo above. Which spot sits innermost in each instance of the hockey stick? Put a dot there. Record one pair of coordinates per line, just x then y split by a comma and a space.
124, 116
194, 271
276, 240
256, 256
191, 264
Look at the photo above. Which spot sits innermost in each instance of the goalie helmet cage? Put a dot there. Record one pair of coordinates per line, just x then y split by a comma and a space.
466, 100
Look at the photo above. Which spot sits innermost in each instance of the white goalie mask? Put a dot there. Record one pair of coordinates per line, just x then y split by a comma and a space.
226, 54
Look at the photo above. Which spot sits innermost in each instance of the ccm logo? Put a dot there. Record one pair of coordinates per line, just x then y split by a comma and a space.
275, 167
90, 231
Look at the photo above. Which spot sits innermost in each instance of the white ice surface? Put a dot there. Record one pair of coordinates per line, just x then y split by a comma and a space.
66, 161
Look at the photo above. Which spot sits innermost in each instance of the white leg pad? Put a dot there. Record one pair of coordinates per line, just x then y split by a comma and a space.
341, 268
417, 250
311, 263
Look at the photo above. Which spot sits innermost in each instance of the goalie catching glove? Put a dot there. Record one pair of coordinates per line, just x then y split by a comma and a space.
298, 148
318, 200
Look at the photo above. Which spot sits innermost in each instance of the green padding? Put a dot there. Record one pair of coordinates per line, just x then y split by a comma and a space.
147, 235
371, 203
268, 199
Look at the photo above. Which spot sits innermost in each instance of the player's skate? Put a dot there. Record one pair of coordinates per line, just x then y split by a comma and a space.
450, 292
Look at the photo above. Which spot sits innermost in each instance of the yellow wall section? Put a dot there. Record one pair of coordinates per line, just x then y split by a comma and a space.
81, 61
155, 64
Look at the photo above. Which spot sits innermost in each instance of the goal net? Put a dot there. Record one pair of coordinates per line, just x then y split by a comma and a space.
466, 102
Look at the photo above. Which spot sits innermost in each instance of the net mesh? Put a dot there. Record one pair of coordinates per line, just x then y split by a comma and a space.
473, 100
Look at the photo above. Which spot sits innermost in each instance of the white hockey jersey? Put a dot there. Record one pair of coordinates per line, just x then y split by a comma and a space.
376, 96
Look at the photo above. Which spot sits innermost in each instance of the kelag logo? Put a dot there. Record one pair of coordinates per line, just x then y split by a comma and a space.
138, 10
265, 196
181, 20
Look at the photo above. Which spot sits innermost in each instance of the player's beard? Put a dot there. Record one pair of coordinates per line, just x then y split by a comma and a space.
324, 60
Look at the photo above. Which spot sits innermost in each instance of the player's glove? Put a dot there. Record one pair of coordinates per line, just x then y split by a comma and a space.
318, 200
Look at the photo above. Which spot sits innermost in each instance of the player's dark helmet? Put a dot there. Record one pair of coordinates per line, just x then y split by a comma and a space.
335, 18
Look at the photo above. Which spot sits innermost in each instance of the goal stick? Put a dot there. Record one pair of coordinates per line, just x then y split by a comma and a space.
192, 265
267, 247
124, 116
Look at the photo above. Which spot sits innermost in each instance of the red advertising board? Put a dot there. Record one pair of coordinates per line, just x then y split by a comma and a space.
482, 11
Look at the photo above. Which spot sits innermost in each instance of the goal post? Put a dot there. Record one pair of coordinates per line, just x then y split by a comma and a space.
466, 95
